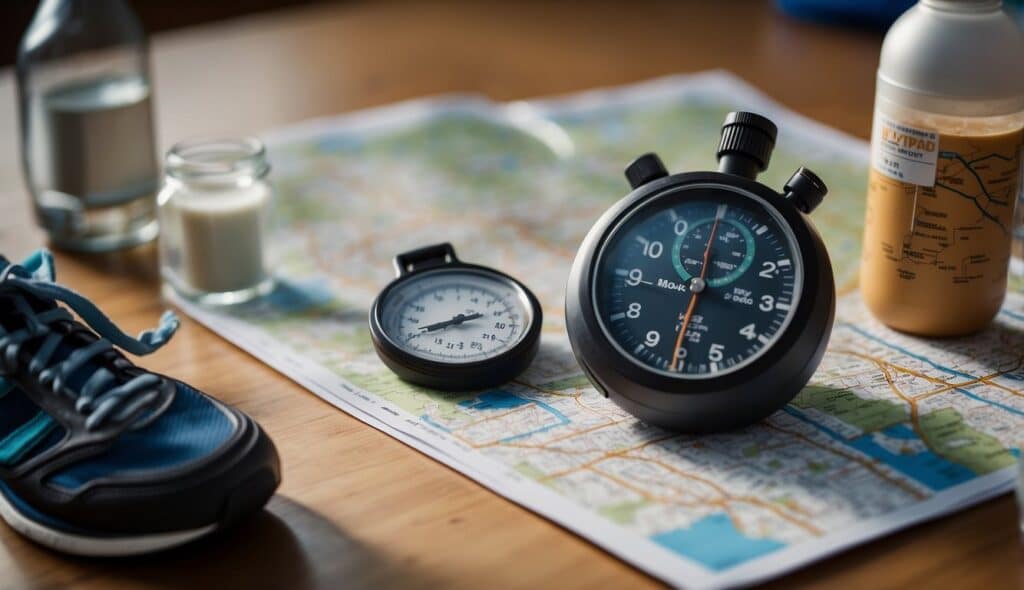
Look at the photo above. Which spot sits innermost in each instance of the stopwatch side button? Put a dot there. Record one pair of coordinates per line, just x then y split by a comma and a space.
644, 169
805, 190
746, 144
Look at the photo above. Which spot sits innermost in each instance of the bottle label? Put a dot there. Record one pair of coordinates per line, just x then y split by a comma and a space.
904, 152
935, 255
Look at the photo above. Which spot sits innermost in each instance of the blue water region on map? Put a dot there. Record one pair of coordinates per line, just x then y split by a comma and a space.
294, 296
496, 399
714, 542
341, 142
924, 467
1012, 314
426, 418
499, 399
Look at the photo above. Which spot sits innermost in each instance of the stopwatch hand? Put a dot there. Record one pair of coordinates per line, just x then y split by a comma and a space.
685, 323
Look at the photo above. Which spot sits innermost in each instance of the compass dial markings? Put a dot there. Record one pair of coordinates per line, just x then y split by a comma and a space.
456, 316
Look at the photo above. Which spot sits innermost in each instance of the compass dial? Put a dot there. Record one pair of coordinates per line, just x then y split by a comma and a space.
456, 316
698, 287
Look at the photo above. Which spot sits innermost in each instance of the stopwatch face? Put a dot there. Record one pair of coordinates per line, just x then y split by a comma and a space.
456, 315
698, 283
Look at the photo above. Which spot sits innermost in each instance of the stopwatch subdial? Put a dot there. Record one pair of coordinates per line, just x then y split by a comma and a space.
730, 254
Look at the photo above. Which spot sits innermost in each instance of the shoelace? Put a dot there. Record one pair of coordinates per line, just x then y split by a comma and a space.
99, 397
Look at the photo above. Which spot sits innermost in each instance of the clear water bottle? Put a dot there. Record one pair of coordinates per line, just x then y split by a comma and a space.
87, 132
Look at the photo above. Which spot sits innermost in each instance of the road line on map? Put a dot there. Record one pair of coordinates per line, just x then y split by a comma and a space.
541, 447
576, 396
607, 456
745, 499
525, 406
986, 381
542, 390
908, 370
867, 465
722, 504
576, 433
915, 423
609, 416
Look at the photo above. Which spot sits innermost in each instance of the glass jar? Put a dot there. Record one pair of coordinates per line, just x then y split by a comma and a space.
215, 210
87, 133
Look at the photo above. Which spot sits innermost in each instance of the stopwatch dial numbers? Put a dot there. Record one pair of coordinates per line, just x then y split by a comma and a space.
455, 317
699, 287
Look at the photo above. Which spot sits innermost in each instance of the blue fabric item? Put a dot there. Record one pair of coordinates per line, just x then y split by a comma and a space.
39, 265
98, 394
36, 276
869, 13
190, 429
22, 440
53, 437
15, 410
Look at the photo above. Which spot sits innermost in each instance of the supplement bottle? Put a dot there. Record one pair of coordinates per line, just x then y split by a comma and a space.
945, 167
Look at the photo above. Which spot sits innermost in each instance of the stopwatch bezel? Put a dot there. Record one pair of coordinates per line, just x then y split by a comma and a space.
675, 196
792, 349
453, 375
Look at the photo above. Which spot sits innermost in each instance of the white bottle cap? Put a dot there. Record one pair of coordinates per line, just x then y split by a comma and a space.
964, 5
957, 57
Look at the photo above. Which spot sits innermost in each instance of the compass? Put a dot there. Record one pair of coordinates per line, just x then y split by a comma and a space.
446, 324
704, 301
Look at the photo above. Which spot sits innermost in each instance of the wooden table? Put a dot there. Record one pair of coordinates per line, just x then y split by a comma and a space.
357, 508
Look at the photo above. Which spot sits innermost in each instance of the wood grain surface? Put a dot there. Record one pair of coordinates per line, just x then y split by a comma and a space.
358, 508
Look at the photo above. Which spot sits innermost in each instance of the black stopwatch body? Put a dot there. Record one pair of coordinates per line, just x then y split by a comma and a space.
703, 301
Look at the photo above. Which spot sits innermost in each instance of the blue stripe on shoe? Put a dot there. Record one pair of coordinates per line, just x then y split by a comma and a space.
22, 440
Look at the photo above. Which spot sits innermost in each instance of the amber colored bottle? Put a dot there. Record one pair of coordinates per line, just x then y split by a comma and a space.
945, 168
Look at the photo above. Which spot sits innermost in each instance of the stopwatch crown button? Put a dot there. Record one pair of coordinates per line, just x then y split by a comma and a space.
805, 190
644, 169
746, 144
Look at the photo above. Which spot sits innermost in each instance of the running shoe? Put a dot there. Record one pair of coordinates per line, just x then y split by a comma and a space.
99, 457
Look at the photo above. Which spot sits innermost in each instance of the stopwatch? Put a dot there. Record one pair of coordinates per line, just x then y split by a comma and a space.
446, 324
704, 301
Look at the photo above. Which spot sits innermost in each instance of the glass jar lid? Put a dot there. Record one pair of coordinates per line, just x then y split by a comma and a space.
217, 160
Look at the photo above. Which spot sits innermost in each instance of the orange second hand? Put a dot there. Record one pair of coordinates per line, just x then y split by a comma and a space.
682, 331
693, 297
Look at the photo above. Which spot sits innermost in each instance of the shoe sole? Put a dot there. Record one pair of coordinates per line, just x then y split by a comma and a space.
258, 476
250, 496
88, 546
